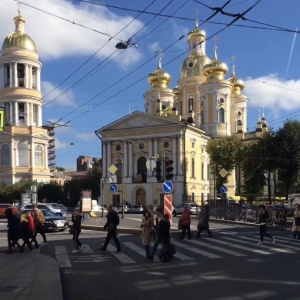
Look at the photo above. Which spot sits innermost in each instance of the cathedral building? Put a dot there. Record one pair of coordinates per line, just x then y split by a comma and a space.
168, 140
23, 141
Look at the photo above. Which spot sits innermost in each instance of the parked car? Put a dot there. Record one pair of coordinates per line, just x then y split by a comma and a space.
194, 208
4, 207
45, 206
55, 207
125, 208
98, 209
136, 209
53, 221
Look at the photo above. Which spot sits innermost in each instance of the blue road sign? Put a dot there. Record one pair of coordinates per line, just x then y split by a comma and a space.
223, 189
168, 186
113, 188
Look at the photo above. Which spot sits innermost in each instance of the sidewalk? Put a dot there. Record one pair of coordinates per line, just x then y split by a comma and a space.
29, 275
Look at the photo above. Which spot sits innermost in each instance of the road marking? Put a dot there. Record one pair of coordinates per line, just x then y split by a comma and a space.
120, 256
234, 253
196, 250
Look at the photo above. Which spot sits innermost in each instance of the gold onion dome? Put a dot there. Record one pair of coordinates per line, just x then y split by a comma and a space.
236, 82
19, 38
196, 32
215, 67
159, 76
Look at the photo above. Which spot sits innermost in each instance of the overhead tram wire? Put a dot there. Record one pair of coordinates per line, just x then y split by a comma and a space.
235, 20
82, 79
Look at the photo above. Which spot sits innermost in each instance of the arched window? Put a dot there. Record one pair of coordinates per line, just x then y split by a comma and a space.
38, 154
22, 154
221, 115
142, 169
140, 197
5, 155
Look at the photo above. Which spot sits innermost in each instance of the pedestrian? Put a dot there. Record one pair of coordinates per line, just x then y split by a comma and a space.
39, 221
164, 237
76, 219
186, 223
263, 226
296, 224
111, 227
25, 233
203, 223
13, 233
153, 216
147, 227
158, 218
30, 220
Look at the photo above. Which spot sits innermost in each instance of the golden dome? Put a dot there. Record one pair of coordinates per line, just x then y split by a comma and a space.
193, 65
159, 77
19, 38
196, 32
215, 67
237, 83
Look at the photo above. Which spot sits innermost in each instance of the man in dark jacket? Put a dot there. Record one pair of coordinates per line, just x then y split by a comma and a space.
111, 227
203, 223
263, 226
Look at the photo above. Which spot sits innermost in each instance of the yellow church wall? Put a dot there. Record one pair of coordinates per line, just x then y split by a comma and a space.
21, 92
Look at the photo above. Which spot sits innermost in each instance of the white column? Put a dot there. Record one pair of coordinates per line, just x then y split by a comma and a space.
39, 116
125, 161
180, 155
11, 75
130, 166
11, 113
32, 163
12, 152
38, 79
46, 157
108, 154
30, 76
26, 75
15, 81
27, 114
104, 159
175, 152
16, 116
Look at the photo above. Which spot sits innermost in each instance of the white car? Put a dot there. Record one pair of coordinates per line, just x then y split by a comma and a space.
194, 208
136, 209
98, 209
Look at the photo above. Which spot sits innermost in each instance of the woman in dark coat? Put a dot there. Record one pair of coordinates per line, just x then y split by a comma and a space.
13, 234
76, 219
25, 233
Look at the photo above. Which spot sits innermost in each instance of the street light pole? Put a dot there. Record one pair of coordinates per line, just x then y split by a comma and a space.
102, 196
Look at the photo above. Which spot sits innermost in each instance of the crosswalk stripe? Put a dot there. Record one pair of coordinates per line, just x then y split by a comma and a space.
277, 244
196, 250
122, 257
248, 249
62, 257
234, 253
135, 248
87, 249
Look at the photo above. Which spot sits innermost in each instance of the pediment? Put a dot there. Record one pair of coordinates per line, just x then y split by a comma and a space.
138, 120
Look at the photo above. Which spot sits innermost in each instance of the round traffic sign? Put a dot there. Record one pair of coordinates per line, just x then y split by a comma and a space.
223, 189
168, 186
113, 188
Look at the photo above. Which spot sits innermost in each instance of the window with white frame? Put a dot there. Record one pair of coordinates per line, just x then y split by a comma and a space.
38, 154
22, 154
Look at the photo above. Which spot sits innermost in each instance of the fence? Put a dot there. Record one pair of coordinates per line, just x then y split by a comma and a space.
279, 215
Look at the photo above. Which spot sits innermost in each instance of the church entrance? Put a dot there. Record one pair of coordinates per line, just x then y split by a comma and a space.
140, 197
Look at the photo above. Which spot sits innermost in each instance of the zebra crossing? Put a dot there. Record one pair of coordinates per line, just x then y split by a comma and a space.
221, 246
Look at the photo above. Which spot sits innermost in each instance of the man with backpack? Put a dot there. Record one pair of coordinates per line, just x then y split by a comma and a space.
39, 221
111, 227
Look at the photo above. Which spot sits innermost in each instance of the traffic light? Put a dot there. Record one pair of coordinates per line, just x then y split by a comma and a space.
169, 169
158, 170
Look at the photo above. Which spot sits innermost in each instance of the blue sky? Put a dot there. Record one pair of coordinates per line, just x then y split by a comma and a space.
88, 83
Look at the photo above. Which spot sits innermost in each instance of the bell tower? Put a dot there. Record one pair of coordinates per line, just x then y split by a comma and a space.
23, 141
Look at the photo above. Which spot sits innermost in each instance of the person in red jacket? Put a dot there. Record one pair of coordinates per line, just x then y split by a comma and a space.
31, 226
186, 223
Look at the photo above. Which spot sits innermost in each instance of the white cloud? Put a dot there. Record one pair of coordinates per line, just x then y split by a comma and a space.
86, 136
56, 38
60, 145
273, 94
55, 97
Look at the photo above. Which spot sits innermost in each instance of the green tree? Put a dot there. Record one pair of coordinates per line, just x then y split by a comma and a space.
50, 192
288, 145
224, 154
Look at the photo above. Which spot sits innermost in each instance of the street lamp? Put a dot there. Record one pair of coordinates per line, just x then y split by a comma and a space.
102, 195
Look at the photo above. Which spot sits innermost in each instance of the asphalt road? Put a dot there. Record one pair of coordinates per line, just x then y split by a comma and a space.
229, 266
